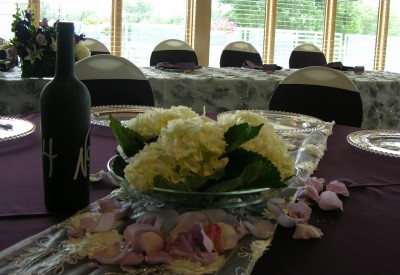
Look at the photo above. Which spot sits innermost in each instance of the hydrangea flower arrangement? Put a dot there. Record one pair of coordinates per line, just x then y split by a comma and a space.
180, 150
36, 46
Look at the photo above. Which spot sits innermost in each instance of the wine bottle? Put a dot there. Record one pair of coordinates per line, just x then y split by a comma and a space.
65, 130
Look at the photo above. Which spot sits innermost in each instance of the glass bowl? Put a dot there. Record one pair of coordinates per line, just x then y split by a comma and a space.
195, 200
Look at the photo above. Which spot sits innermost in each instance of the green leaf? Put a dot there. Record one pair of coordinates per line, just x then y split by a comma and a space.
247, 170
189, 183
239, 134
130, 141
118, 166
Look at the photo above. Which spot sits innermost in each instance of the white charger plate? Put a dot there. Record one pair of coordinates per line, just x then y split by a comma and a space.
288, 122
384, 142
13, 128
100, 114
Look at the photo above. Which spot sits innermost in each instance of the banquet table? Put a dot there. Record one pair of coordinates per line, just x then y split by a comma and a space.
222, 89
361, 239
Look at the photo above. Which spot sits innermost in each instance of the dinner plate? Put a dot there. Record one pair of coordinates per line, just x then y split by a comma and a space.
288, 122
384, 142
13, 128
100, 114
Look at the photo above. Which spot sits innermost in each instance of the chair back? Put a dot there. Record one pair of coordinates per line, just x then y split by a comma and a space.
322, 92
306, 55
173, 51
96, 47
235, 53
114, 80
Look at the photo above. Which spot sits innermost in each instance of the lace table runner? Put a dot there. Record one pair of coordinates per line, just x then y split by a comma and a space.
45, 253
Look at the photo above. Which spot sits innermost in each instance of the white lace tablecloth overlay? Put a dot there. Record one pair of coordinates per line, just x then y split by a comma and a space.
46, 253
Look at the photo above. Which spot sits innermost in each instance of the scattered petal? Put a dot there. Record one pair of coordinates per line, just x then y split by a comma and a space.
328, 200
307, 231
338, 187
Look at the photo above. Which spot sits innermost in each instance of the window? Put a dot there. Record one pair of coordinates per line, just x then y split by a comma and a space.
297, 22
349, 35
355, 37
145, 23
236, 20
393, 39
91, 17
7, 9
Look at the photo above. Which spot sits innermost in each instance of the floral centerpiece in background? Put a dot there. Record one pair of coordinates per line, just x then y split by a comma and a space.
178, 149
8, 57
36, 46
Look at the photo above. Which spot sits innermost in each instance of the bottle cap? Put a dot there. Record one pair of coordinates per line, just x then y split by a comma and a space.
65, 27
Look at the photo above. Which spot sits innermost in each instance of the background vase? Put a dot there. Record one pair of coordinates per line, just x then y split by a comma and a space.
44, 67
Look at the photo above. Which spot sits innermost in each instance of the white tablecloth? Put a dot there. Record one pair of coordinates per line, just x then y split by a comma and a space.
222, 89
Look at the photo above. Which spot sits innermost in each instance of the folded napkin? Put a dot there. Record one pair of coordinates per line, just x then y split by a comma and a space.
339, 66
259, 66
184, 66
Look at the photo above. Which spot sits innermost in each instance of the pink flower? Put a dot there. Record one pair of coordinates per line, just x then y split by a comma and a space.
41, 39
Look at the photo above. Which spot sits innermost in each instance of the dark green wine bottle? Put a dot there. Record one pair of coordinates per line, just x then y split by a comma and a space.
65, 130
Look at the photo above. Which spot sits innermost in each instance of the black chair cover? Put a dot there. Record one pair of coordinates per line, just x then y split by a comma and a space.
231, 58
301, 59
120, 92
326, 103
173, 57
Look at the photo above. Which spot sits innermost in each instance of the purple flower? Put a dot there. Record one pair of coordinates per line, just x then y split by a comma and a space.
44, 23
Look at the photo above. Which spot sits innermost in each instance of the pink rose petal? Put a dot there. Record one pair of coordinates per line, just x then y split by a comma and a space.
299, 210
328, 200
338, 187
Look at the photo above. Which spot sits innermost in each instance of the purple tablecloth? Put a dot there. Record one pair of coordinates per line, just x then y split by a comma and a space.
363, 239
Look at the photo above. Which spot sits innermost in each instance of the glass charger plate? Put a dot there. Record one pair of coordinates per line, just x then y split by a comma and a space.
196, 200
384, 142
13, 128
100, 114
288, 122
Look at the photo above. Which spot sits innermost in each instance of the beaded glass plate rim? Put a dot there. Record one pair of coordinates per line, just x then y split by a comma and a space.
96, 111
358, 140
30, 128
320, 124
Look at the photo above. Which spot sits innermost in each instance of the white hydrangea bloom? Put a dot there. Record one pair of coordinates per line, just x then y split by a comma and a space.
267, 143
185, 147
150, 123
81, 51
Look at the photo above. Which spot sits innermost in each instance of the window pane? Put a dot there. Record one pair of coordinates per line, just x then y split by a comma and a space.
393, 40
236, 20
91, 17
148, 22
298, 22
7, 9
356, 32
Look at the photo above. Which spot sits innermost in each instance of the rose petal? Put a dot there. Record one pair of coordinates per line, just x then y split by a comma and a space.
299, 210
328, 200
261, 229
338, 187
307, 231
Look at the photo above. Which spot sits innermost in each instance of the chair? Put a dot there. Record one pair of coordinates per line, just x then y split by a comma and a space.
322, 92
114, 80
173, 51
96, 47
306, 55
235, 53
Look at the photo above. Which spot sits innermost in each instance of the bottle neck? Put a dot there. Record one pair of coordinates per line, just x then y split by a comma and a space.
65, 55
